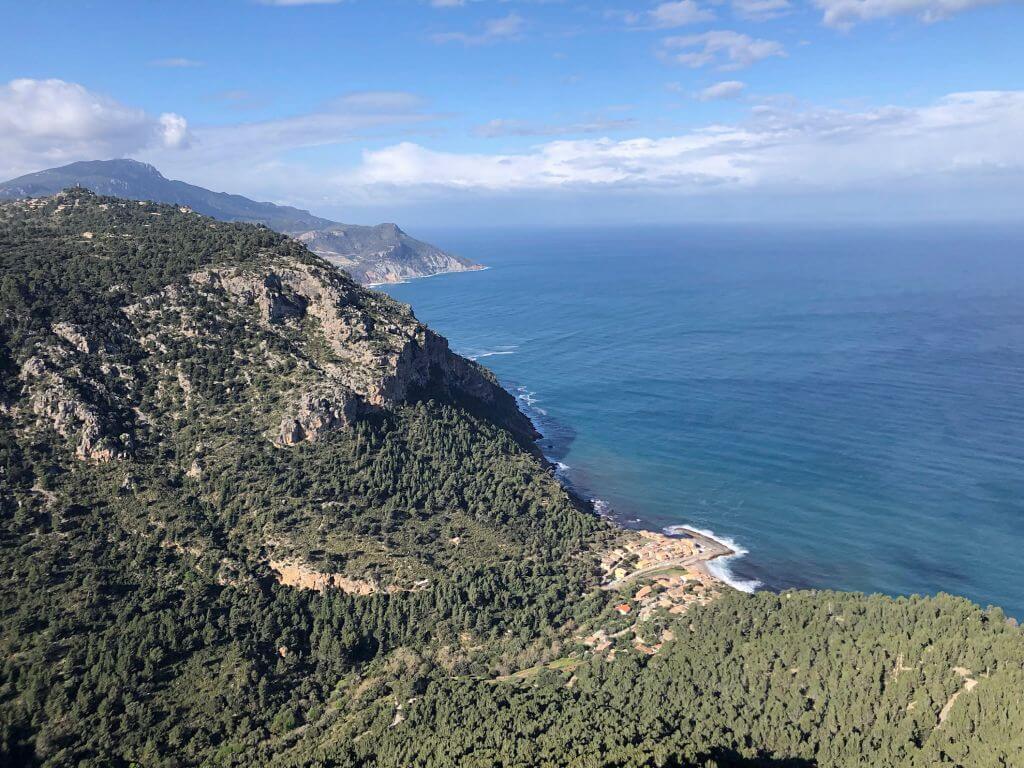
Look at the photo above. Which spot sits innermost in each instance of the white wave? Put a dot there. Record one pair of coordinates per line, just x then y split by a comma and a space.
526, 396
506, 349
720, 567
602, 507
561, 470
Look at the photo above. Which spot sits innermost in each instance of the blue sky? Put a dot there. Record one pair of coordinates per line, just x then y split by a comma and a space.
483, 111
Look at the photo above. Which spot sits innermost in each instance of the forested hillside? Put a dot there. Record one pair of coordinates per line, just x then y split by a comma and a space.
254, 514
802, 679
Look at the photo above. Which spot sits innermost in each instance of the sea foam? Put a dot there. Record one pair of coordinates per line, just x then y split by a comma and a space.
491, 353
720, 567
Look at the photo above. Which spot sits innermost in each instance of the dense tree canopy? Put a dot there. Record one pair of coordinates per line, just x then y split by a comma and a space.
141, 622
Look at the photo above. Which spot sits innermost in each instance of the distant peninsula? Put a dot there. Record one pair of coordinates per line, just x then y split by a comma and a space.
370, 254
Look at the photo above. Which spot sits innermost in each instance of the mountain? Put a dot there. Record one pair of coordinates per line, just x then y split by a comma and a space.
254, 514
378, 254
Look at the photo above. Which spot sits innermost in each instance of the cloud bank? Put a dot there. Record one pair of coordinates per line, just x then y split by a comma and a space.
722, 47
961, 142
846, 13
50, 122
962, 134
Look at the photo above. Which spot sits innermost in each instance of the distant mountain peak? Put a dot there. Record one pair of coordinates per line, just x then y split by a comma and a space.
121, 165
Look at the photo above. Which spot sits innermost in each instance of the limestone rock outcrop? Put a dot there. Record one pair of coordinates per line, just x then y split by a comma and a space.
64, 405
378, 350
293, 573
316, 415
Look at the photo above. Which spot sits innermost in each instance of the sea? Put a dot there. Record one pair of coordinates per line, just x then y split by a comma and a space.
843, 405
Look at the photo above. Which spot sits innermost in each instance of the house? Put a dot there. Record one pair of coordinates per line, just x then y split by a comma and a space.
624, 608
644, 592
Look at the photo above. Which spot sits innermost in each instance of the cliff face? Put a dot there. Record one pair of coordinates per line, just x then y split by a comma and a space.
230, 479
371, 254
381, 254
375, 353
349, 351
135, 336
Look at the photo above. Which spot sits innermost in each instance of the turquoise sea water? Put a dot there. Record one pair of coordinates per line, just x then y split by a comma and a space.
845, 405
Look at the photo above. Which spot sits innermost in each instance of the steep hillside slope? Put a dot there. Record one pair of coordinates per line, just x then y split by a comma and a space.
252, 514
204, 426
377, 254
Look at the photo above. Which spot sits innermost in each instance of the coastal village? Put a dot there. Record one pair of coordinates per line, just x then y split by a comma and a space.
655, 576
658, 576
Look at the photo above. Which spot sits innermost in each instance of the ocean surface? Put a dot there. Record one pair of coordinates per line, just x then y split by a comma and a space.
845, 405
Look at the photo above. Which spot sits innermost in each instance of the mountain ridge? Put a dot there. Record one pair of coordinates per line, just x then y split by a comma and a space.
381, 253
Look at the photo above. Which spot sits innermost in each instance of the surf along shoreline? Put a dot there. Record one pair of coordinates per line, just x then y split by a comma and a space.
704, 554
709, 555
680, 547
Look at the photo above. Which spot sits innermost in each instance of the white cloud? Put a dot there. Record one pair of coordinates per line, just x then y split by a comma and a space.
173, 130
961, 136
761, 10
727, 49
495, 128
50, 122
176, 63
260, 157
846, 13
390, 102
347, 118
667, 15
505, 28
678, 14
727, 89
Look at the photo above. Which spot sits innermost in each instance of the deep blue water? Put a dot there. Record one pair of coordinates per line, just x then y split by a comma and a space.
847, 405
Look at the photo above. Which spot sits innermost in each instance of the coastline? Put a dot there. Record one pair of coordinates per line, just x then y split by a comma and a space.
709, 562
410, 278
718, 565
711, 549
713, 552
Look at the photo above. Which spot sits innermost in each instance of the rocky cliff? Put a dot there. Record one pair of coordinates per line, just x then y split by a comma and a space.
351, 351
230, 478
381, 254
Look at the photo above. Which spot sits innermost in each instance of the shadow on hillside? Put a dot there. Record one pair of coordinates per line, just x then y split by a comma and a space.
730, 758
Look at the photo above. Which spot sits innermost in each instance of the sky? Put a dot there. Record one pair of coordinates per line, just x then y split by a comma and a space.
506, 112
